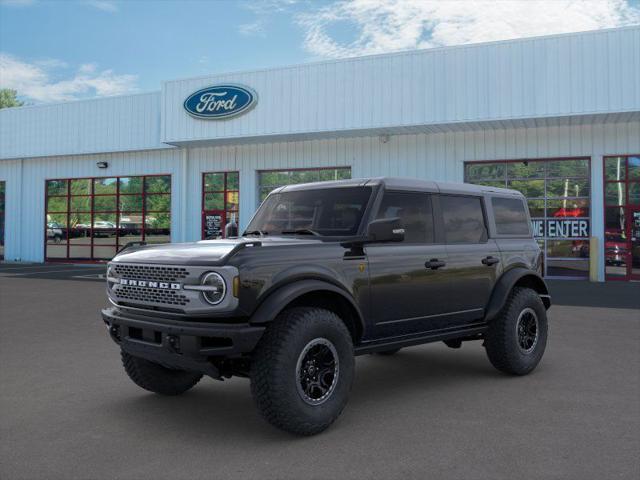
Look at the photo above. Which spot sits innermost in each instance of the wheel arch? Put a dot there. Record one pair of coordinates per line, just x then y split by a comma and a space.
312, 293
516, 277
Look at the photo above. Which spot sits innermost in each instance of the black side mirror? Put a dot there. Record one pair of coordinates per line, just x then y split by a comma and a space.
385, 230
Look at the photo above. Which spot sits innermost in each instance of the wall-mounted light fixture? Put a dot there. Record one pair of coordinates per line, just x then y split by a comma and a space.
102, 164
384, 138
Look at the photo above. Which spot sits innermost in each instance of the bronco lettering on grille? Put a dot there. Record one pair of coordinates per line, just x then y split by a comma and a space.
150, 284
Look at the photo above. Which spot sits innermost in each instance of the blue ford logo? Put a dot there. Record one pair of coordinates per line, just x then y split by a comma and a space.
220, 101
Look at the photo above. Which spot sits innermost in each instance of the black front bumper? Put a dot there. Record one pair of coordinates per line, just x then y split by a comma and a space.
184, 345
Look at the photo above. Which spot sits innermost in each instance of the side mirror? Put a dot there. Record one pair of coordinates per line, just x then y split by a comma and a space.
385, 230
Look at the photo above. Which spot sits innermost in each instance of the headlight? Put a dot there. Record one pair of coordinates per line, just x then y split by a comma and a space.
215, 288
111, 280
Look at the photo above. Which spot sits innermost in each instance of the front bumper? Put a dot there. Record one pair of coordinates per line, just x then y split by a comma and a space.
179, 344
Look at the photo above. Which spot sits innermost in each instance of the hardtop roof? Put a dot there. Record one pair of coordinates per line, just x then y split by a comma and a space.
402, 183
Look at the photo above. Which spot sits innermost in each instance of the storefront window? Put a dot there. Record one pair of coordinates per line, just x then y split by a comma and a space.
92, 218
2, 210
220, 202
269, 180
622, 217
558, 194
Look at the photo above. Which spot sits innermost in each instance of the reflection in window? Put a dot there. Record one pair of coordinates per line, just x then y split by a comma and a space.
414, 211
220, 202
614, 193
2, 215
622, 189
633, 168
556, 189
615, 168
269, 180
463, 219
329, 212
568, 248
530, 169
510, 216
92, 218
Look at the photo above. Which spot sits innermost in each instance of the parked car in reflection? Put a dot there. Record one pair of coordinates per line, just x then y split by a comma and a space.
615, 249
54, 232
103, 228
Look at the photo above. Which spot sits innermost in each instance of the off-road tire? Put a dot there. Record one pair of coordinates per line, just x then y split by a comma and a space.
274, 374
156, 378
501, 340
388, 353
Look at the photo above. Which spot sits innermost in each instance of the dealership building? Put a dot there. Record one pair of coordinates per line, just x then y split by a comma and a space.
555, 117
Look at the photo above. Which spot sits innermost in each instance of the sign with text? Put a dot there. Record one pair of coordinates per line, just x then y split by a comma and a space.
212, 226
561, 228
220, 101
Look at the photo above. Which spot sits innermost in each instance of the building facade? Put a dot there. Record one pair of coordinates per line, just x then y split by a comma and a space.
556, 117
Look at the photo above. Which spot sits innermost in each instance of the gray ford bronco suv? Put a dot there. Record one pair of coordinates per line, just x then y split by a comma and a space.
324, 272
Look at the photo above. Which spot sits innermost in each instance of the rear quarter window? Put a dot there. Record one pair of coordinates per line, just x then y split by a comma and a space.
510, 216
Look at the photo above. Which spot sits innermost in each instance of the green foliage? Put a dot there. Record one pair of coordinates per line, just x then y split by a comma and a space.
8, 98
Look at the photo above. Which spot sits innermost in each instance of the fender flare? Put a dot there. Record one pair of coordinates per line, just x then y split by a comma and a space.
505, 284
282, 296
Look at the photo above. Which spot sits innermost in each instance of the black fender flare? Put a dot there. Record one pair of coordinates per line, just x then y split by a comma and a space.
282, 296
505, 284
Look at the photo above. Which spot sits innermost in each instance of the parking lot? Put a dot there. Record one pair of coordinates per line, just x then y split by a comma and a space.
67, 410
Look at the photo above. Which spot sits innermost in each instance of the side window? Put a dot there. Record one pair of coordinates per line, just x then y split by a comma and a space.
510, 216
415, 212
463, 219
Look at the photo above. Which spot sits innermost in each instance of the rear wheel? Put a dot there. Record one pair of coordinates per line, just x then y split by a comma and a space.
156, 378
302, 370
516, 339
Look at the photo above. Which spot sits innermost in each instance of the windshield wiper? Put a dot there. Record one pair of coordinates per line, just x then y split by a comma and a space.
301, 231
256, 232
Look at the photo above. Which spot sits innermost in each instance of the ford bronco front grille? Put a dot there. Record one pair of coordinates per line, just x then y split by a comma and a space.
153, 295
151, 272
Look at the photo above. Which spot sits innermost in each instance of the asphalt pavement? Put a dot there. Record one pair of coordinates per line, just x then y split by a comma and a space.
68, 411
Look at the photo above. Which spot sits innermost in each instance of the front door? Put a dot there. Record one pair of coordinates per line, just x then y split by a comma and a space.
408, 280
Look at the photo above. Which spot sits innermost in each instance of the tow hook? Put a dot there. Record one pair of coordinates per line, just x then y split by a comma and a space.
173, 343
114, 331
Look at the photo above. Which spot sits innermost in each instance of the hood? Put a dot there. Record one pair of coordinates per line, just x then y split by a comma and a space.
205, 252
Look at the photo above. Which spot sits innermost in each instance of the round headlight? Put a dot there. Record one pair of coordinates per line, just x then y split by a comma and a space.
216, 288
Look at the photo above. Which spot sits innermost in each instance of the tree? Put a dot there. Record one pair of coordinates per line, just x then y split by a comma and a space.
8, 98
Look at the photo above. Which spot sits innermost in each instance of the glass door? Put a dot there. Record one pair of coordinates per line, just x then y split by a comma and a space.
220, 202
634, 240
622, 217
2, 188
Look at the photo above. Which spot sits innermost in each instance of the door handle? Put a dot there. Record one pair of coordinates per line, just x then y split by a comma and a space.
434, 264
488, 261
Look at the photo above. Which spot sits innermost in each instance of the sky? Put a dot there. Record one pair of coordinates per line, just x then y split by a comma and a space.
60, 50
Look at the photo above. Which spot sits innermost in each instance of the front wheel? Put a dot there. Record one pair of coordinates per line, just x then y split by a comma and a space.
302, 370
516, 339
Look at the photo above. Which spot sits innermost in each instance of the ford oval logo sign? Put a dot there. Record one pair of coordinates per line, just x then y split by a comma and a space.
220, 101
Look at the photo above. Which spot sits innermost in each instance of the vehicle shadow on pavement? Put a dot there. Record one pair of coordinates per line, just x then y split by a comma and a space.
226, 411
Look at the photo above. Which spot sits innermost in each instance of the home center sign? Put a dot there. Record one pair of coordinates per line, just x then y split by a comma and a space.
561, 228
219, 102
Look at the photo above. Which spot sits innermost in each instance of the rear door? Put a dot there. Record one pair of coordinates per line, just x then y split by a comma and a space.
408, 285
473, 258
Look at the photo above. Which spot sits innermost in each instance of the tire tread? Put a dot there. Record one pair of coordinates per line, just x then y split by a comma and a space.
156, 378
268, 390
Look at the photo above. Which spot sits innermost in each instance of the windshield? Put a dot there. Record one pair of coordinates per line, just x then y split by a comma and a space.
328, 212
